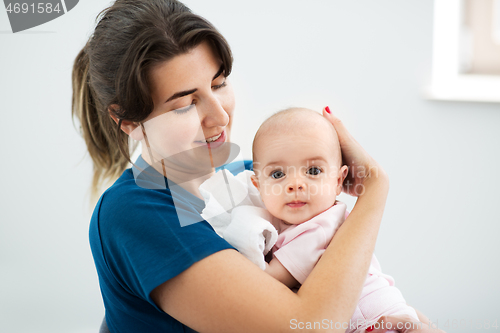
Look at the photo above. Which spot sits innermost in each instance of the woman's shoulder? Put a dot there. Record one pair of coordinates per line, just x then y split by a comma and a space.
127, 212
130, 200
142, 193
138, 238
130, 190
124, 204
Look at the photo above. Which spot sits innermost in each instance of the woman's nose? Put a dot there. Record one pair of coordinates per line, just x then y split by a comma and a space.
214, 114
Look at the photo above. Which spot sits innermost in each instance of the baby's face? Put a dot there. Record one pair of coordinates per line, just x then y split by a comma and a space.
298, 174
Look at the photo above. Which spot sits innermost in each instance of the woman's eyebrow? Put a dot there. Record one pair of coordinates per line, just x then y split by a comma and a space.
189, 92
181, 94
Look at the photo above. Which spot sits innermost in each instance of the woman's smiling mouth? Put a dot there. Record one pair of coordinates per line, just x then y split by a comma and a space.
214, 141
214, 138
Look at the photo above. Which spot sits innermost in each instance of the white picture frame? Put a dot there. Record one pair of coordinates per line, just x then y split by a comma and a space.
447, 83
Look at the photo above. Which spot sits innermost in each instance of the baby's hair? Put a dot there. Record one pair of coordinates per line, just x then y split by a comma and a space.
286, 122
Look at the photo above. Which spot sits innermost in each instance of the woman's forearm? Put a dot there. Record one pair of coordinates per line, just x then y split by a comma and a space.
334, 285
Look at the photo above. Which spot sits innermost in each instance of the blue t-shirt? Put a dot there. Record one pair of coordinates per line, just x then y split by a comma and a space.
138, 242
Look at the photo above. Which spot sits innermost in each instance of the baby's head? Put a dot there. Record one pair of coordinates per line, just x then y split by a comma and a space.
297, 164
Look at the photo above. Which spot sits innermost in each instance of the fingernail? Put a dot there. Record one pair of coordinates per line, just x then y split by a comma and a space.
327, 109
369, 329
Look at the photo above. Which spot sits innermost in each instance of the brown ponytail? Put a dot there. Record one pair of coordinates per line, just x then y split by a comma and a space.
131, 37
97, 128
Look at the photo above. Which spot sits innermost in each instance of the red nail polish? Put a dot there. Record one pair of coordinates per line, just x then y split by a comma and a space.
327, 109
369, 329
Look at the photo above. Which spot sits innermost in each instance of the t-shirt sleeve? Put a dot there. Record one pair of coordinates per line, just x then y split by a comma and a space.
145, 245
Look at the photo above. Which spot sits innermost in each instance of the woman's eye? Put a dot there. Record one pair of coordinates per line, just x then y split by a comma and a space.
277, 174
184, 109
314, 171
223, 84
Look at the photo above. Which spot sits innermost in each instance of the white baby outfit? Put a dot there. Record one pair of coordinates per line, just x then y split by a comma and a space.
236, 212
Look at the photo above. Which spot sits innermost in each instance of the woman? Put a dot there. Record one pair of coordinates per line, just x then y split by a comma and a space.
158, 74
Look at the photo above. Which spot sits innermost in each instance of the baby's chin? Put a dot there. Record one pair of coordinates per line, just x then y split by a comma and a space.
301, 217
297, 219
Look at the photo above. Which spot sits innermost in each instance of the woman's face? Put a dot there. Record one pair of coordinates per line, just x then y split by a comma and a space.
190, 125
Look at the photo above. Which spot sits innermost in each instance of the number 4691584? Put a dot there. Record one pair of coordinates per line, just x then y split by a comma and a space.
471, 324
25, 8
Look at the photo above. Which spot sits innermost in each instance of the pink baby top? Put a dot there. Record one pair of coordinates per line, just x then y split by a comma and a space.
300, 246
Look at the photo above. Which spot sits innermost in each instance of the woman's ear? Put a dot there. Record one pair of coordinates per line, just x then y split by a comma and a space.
131, 128
340, 181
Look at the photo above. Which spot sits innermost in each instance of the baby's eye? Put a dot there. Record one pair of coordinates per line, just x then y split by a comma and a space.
314, 171
277, 174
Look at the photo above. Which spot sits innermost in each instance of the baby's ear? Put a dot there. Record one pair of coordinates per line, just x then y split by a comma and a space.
342, 174
255, 181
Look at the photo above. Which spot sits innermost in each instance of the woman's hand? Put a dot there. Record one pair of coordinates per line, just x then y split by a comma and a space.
362, 166
401, 324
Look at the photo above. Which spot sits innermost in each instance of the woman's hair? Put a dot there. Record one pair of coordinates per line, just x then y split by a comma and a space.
130, 39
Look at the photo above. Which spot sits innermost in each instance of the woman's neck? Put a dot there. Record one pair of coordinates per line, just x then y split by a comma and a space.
189, 179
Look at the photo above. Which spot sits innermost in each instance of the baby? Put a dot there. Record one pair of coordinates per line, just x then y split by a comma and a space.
299, 173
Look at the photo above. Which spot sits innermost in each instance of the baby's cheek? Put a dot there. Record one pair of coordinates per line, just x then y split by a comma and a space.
276, 211
268, 201
271, 202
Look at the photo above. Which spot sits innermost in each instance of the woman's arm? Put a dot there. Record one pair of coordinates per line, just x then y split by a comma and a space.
225, 292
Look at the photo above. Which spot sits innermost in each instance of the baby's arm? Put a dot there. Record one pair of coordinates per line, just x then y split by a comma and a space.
280, 273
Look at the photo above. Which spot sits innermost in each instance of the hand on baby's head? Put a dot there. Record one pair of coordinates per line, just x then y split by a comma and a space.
297, 164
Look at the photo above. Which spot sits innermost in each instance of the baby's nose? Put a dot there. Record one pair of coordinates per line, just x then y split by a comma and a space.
296, 186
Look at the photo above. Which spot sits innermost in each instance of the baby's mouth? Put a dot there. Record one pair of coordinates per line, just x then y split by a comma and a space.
296, 204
